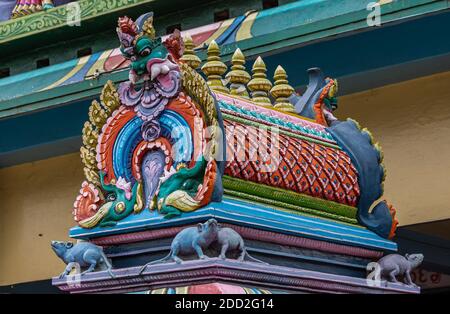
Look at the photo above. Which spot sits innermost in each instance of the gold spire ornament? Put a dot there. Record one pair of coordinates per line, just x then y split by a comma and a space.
282, 90
189, 57
214, 68
260, 85
238, 76
148, 28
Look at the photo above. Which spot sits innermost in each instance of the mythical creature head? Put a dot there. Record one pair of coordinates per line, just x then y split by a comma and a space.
155, 64
327, 102
120, 200
319, 100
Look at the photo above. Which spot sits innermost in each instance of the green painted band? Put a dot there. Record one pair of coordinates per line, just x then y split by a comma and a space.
60, 16
289, 199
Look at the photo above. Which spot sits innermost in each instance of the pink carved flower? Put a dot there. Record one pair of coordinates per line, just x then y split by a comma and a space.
125, 186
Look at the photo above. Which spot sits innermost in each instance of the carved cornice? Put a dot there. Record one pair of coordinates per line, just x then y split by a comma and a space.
247, 234
230, 271
58, 17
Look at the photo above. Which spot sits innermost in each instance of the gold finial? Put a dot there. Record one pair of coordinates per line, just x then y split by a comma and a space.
260, 85
189, 57
214, 68
282, 90
148, 28
238, 76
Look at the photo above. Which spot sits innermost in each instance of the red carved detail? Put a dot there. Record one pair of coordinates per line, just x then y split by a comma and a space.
205, 191
303, 166
87, 202
107, 138
393, 212
127, 26
175, 45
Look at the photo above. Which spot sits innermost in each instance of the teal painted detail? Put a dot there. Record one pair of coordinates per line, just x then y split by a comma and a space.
116, 208
126, 141
130, 135
177, 129
253, 215
146, 49
278, 121
287, 16
185, 179
22, 84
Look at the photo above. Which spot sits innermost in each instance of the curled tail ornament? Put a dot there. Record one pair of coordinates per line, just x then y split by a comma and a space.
368, 160
317, 103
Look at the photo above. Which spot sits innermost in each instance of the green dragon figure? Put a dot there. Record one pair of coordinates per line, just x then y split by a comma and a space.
180, 189
121, 201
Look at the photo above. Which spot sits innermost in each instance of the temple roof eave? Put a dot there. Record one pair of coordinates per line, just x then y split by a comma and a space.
229, 271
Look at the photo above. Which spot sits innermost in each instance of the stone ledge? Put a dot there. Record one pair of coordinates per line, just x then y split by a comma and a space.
228, 271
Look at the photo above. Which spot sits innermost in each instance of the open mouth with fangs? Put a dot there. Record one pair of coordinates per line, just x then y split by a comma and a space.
158, 71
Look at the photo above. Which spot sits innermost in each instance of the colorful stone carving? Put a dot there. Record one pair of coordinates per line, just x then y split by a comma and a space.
214, 68
317, 103
169, 149
150, 144
260, 85
238, 76
25, 7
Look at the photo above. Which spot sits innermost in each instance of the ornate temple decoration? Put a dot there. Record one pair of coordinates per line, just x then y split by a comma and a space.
171, 155
282, 90
214, 68
169, 142
157, 141
26, 7
393, 265
238, 76
260, 85
145, 144
189, 57
194, 240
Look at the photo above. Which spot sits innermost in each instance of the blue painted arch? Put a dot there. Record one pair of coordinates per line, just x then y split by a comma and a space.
173, 127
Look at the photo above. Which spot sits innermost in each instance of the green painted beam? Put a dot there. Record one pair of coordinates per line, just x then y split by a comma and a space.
346, 24
59, 95
337, 26
48, 27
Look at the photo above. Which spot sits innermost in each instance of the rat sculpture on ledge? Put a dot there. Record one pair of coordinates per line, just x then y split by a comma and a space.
84, 254
196, 239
